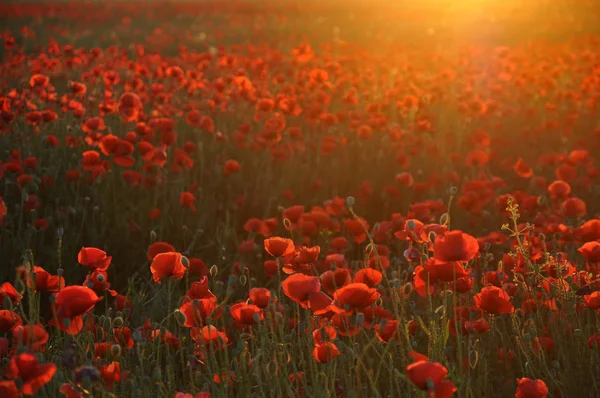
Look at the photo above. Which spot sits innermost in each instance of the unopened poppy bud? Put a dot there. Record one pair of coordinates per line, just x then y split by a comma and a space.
115, 350
350, 201
214, 270
179, 317
185, 261
60, 232
243, 280
157, 374
453, 190
278, 317
118, 322
153, 236
136, 335
432, 236
443, 220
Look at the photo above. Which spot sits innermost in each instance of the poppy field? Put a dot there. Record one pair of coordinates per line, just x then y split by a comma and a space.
300, 199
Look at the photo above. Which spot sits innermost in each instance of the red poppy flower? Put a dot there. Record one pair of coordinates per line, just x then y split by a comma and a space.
494, 300
46, 282
325, 352
69, 306
326, 333
246, 314
32, 374
528, 388
417, 356
357, 228
426, 374
279, 247
559, 189
478, 326
122, 336
209, 334
8, 389
93, 258
522, 169
260, 296
388, 330
355, 296
307, 255
8, 292
299, 287
592, 301
199, 290
333, 280
187, 199
591, 251
111, 374
455, 246
573, 207
369, 276
159, 247
167, 265
9, 320
196, 312
231, 166
33, 337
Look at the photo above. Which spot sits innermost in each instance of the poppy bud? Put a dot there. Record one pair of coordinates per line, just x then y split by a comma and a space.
243, 280
60, 232
432, 235
118, 322
214, 270
185, 261
157, 374
136, 335
350, 201
90, 285
60, 272
453, 190
115, 350
179, 317
153, 236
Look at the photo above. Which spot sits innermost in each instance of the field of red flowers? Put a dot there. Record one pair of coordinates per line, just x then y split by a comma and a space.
300, 199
